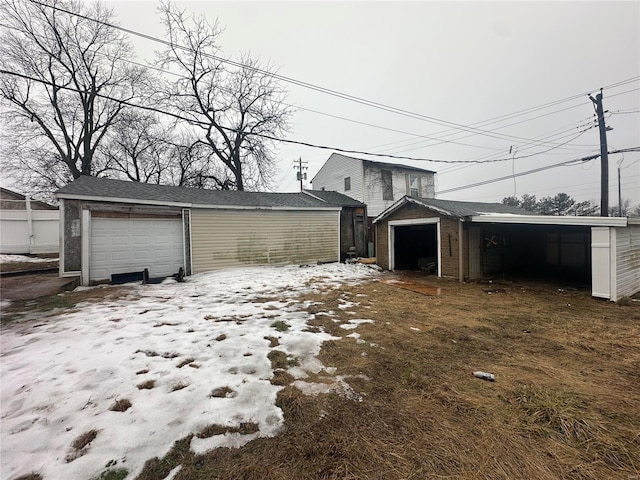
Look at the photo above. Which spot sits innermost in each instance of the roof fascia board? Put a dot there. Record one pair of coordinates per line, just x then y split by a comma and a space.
550, 220
75, 196
407, 199
328, 208
189, 205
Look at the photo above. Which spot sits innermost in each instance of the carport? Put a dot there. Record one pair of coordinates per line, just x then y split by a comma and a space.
471, 241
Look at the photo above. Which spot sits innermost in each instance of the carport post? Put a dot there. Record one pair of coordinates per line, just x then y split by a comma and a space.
460, 251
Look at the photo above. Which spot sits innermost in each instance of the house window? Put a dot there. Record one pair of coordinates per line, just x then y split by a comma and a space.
387, 185
347, 184
414, 185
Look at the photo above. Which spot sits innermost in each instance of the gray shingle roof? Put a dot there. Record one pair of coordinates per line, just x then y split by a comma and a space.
336, 199
456, 208
466, 209
104, 189
375, 163
395, 165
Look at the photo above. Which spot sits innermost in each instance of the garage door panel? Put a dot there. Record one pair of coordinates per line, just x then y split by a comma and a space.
122, 245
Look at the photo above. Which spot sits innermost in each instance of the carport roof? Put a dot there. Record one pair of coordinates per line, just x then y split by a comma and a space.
499, 213
120, 191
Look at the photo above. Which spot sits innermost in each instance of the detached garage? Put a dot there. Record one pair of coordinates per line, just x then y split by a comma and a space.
113, 227
470, 240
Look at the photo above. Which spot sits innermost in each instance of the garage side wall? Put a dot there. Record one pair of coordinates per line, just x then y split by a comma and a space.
627, 260
232, 238
449, 238
72, 245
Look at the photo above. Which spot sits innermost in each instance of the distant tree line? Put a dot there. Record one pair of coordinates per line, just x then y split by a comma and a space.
563, 204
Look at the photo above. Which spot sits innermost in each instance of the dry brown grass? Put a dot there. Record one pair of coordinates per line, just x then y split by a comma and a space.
146, 385
120, 405
565, 403
32, 311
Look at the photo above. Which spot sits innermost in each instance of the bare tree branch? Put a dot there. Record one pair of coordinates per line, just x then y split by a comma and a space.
226, 105
62, 50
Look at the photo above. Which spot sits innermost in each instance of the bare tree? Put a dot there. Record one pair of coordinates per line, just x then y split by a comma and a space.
59, 72
235, 110
139, 148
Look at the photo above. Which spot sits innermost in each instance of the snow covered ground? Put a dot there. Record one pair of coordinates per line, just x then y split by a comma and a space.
184, 355
6, 258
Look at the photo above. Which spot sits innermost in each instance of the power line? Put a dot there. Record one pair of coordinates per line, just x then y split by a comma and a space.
308, 85
520, 174
268, 137
535, 170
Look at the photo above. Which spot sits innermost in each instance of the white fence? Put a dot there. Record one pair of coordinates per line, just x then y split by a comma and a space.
29, 231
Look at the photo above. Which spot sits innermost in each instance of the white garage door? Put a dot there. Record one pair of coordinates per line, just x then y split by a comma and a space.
121, 245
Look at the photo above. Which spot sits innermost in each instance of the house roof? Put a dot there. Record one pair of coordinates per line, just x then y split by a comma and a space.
120, 191
478, 212
454, 208
395, 165
336, 199
11, 196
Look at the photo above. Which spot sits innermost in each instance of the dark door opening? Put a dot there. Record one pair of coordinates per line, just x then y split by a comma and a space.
538, 252
416, 247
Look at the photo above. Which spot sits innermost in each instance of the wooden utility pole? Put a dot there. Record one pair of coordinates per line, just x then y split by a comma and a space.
301, 167
619, 190
604, 156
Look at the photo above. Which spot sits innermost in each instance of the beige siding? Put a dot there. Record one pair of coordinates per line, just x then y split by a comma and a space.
231, 238
627, 261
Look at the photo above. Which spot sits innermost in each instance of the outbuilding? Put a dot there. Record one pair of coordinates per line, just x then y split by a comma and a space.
112, 227
471, 240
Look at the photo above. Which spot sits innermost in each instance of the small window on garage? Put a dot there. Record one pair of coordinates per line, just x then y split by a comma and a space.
347, 184
387, 185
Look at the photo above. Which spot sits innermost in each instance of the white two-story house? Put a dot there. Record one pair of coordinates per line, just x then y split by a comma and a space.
376, 184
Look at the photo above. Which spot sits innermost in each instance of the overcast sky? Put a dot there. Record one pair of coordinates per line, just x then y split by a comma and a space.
457, 62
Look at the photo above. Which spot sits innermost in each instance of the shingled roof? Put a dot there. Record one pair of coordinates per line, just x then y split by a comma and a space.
336, 199
104, 189
455, 208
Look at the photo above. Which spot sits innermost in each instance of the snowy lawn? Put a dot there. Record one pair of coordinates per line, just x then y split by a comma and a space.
6, 258
113, 384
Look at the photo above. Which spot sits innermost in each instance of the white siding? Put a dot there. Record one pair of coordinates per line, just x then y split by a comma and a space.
600, 262
332, 174
231, 238
374, 189
15, 234
627, 261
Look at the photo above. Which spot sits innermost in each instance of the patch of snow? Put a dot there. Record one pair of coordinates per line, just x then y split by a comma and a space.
62, 376
356, 336
6, 258
354, 323
173, 473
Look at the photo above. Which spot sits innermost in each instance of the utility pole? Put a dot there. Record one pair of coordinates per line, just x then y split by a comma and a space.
604, 156
619, 189
301, 166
